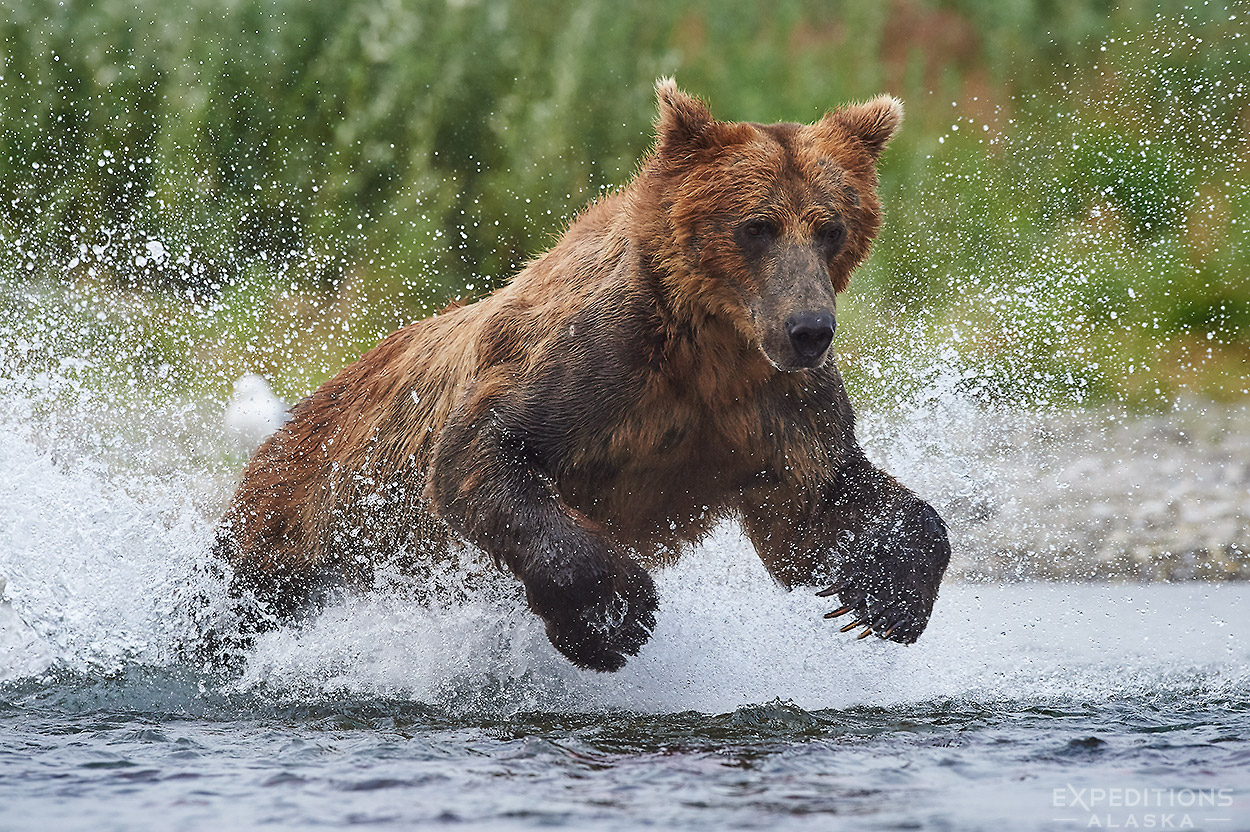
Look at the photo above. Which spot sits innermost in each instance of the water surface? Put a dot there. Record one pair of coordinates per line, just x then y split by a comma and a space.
1020, 707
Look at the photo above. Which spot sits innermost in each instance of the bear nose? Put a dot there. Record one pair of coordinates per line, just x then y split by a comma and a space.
810, 332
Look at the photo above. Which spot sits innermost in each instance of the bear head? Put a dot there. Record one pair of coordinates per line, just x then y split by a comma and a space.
767, 222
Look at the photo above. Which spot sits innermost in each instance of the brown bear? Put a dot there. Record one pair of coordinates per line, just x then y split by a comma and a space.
665, 366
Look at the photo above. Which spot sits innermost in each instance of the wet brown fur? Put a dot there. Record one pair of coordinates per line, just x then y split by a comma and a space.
625, 392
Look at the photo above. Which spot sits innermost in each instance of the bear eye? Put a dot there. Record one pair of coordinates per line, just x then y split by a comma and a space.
832, 236
758, 229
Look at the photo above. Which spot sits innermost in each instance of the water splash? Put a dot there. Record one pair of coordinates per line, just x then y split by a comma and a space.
727, 635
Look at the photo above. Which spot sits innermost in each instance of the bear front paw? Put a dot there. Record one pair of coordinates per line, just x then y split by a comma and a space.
599, 607
889, 580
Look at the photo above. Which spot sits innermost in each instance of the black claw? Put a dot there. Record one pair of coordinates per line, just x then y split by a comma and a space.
899, 627
838, 587
840, 611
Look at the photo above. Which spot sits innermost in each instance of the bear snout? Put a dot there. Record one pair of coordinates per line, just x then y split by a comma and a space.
811, 333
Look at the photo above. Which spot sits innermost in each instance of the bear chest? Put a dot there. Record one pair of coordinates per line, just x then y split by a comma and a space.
670, 470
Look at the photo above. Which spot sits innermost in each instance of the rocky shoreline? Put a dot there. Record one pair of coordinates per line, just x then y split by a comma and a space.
1087, 495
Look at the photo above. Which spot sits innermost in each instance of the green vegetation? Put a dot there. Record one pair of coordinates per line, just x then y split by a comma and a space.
271, 184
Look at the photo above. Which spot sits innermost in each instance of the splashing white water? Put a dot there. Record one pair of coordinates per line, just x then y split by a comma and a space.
93, 559
97, 561
727, 635
254, 412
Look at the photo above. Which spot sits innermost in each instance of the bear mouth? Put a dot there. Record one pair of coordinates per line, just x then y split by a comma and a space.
795, 363
804, 363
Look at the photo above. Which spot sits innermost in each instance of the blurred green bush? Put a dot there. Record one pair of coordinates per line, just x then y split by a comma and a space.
1068, 196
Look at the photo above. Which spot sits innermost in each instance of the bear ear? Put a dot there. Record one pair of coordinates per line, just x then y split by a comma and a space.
873, 123
683, 120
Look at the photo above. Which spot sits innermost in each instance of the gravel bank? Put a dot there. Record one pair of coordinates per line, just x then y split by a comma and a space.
1082, 495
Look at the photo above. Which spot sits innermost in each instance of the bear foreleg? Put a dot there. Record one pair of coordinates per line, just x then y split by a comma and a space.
882, 548
486, 483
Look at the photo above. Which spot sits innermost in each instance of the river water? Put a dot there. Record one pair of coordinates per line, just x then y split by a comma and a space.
1027, 705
